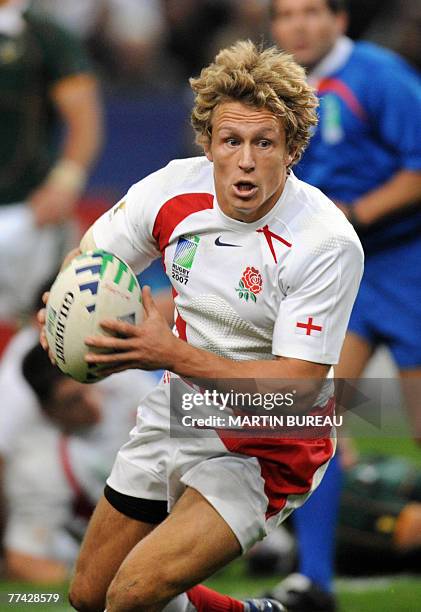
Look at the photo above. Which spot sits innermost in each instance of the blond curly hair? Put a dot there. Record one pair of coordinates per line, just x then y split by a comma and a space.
262, 78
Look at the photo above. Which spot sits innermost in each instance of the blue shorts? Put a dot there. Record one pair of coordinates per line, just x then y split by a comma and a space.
388, 306
155, 277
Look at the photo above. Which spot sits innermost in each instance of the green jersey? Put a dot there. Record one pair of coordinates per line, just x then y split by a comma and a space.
30, 65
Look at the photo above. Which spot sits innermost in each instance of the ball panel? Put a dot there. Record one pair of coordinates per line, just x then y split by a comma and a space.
95, 285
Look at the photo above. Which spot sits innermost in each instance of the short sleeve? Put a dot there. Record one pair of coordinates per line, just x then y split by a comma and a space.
125, 230
64, 54
313, 316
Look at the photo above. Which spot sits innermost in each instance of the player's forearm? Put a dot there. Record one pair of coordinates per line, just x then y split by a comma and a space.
280, 375
194, 362
402, 190
79, 105
83, 140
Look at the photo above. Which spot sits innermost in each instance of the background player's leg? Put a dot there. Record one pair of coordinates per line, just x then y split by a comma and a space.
108, 540
315, 522
411, 387
190, 545
316, 544
315, 526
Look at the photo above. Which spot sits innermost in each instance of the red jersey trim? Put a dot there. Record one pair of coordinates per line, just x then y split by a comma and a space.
180, 323
174, 211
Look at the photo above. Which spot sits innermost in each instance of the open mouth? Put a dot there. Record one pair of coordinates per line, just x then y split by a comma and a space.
245, 188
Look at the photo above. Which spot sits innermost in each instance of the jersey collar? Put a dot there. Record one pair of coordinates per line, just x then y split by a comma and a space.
333, 61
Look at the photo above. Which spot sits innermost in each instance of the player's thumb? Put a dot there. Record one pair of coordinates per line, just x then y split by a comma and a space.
148, 303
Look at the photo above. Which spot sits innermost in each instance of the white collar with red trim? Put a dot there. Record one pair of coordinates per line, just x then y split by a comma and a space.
333, 61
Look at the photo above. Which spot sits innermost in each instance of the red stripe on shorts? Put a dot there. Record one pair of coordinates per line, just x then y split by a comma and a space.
288, 465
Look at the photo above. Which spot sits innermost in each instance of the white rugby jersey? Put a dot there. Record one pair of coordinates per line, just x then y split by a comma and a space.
283, 285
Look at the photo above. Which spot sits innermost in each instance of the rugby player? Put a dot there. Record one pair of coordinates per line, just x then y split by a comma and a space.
176, 509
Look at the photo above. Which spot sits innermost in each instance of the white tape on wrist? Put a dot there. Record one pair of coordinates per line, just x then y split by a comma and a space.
68, 175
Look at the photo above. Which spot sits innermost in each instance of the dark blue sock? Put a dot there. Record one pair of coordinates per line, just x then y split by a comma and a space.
315, 527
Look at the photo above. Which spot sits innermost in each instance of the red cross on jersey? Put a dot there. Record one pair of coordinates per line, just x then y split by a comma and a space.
308, 327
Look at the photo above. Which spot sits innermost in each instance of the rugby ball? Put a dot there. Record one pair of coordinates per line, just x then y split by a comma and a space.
95, 285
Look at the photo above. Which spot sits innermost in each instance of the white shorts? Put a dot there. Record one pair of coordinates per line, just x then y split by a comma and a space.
253, 483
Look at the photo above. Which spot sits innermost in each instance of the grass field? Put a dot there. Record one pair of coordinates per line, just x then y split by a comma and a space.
391, 594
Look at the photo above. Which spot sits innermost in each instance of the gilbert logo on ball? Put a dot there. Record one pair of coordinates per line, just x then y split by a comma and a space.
95, 285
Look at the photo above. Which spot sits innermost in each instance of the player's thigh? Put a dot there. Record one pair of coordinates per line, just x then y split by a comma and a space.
190, 545
411, 387
109, 538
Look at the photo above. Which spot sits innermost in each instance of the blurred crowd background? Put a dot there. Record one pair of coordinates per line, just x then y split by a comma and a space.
143, 52
147, 45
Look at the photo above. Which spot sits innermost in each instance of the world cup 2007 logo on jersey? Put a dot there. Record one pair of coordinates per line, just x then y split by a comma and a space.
185, 252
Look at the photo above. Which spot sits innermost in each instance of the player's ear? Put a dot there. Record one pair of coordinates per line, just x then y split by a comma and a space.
207, 150
342, 22
289, 157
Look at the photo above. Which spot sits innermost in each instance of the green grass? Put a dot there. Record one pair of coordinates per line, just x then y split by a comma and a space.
391, 446
391, 594
20, 587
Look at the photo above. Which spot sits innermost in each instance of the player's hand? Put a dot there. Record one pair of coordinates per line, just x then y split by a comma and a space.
52, 204
41, 324
148, 346
41, 314
41, 318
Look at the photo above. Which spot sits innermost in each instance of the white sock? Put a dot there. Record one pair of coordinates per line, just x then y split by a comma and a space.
181, 603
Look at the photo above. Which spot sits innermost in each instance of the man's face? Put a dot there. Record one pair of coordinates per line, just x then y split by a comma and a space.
306, 28
250, 159
74, 406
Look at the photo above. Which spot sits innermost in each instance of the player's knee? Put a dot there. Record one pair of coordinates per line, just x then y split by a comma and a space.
130, 598
83, 601
140, 595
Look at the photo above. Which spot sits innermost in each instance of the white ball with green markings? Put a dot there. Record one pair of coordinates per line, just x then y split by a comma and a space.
96, 285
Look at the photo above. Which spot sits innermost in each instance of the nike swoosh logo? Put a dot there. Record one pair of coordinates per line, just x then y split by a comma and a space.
227, 244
